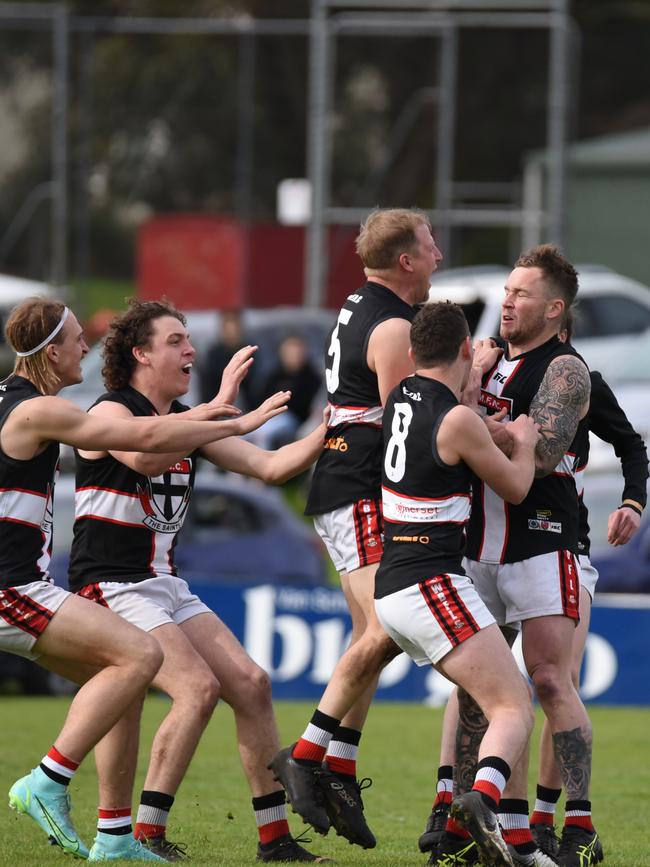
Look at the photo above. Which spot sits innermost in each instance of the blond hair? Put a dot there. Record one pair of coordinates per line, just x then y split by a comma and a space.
386, 234
28, 325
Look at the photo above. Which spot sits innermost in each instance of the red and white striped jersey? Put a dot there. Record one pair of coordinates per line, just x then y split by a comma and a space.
26, 494
426, 502
349, 468
126, 524
547, 520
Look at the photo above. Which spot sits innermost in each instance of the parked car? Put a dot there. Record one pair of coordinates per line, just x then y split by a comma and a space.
611, 308
625, 569
236, 531
628, 375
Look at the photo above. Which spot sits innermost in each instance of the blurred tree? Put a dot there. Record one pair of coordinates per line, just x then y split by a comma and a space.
155, 121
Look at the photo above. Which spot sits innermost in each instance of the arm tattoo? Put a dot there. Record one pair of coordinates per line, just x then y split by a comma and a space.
472, 725
557, 408
573, 756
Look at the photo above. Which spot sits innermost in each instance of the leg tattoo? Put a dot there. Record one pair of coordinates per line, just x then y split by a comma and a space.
472, 725
573, 755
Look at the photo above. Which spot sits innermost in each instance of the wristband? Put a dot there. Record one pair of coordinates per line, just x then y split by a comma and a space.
634, 508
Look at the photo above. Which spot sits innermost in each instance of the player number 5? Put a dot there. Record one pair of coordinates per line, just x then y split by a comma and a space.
332, 375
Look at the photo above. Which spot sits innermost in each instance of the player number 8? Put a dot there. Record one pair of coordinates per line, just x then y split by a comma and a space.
395, 462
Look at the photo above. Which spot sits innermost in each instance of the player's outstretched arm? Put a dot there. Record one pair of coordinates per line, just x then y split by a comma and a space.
47, 419
463, 437
561, 401
273, 467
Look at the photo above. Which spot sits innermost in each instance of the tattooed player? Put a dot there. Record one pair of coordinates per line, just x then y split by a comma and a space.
523, 559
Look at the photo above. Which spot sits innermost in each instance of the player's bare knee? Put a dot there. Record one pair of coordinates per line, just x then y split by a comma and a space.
150, 657
261, 684
550, 685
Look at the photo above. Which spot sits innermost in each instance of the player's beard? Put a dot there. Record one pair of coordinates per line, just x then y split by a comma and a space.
527, 330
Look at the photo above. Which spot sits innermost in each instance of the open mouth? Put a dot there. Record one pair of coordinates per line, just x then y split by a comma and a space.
187, 368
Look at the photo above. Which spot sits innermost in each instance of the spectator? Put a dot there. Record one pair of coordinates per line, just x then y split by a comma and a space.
294, 372
219, 354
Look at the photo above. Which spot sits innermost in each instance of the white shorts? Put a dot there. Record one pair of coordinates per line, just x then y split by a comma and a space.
353, 534
429, 619
537, 587
588, 575
149, 603
25, 614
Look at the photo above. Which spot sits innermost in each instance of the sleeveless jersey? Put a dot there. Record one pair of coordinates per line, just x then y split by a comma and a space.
547, 520
126, 524
426, 502
349, 468
26, 493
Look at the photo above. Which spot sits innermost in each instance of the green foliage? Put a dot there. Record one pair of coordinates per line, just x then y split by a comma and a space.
212, 813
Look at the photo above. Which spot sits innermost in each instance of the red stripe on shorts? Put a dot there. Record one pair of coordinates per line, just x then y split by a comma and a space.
448, 608
367, 528
94, 593
569, 584
24, 613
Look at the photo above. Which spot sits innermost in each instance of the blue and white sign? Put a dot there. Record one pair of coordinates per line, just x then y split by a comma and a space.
297, 635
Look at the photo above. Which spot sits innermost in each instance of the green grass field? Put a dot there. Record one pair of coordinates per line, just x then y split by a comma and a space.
213, 815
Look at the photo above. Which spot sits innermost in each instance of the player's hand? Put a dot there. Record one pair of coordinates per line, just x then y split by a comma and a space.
501, 435
524, 430
233, 375
622, 525
472, 389
219, 411
327, 412
272, 406
486, 354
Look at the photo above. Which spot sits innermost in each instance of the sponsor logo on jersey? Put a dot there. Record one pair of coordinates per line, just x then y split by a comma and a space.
544, 525
337, 443
494, 404
423, 540
414, 395
355, 298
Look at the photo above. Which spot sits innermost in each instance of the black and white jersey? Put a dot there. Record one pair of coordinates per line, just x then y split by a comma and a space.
547, 520
349, 468
426, 502
26, 495
126, 524
609, 423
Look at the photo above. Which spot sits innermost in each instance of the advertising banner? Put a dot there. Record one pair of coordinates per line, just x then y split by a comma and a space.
297, 635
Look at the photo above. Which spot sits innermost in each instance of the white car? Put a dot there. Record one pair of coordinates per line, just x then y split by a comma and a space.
628, 375
611, 309
13, 291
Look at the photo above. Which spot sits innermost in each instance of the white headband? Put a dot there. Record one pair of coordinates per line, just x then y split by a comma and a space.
49, 338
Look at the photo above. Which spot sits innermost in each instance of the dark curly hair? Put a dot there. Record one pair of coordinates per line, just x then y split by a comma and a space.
437, 332
130, 329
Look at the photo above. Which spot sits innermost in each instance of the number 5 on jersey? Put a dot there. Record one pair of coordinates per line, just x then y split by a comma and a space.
332, 375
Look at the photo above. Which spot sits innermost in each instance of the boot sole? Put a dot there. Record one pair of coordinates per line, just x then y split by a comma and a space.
490, 843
